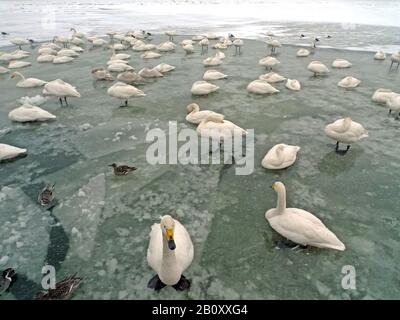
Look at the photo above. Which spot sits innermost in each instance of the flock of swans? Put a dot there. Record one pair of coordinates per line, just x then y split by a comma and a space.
170, 250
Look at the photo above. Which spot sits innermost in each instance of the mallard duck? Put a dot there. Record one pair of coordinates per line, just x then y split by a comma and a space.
46, 195
63, 290
7, 278
121, 170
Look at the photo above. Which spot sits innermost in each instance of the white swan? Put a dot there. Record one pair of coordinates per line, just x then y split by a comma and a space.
102, 74
169, 254
45, 58
273, 43
109, 62
60, 89
220, 46
382, 95
124, 91
195, 115
77, 41
269, 62
197, 38
261, 87
166, 46
28, 112
118, 47
18, 64
4, 70
345, 131
349, 82
47, 50
62, 59
67, 53
215, 127
213, 75
189, 48
77, 49
119, 56
150, 55
19, 42
303, 53
380, 55
27, 83
170, 34
280, 156
341, 63
204, 43
130, 77
298, 225
99, 42
395, 58
37, 100
210, 36
393, 104
203, 88
212, 61
163, 68
119, 67
220, 55
150, 73
272, 77
77, 34
9, 152
293, 84
318, 68
50, 45
238, 43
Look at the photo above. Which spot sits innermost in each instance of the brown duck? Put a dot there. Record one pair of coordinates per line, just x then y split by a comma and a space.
63, 290
122, 170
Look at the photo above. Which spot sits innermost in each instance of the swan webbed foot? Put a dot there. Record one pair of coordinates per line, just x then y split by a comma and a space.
183, 284
155, 283
284, 243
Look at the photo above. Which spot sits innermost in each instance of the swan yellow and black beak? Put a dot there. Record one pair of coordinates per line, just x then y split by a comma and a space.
170, 238
273, 186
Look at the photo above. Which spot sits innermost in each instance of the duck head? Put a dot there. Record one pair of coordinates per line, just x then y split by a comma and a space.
167, 228
113, 165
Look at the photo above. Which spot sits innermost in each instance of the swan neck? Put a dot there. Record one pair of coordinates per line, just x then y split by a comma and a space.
346, 124
281, 204
19, 75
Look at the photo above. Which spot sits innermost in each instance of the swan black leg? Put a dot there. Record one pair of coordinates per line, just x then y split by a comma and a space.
60, 101
390, 112
337, 146
183, 284
126, 103
347, 149
155, 283
391, 65
65, 99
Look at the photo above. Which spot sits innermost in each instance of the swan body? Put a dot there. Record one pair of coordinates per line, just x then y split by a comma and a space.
109, 62
28, 112
215, 127
62, 59
261, 87
163, 68
203, 88
20, 54
4, 70
120, 56
382, 95
47, 51
102, 74
303, 53
293, 84
317, 67
27, 83
349, 82
238, 42
99, 42
204, 42
272, 77
197, 38
50, 45
273, 43
170, 250
18, 64
45, 58
380, 55
150, 55
280, 156
60, 88
341, 63
150, 73
395, 57
77, 49
211, 36
189, 48
220, 55
77, 41
166, 46
195, 115
19, 41
124, 91
77, 34
221, 46
393, 102
67, 53
213, 75
345, 131
268, 62
6, 57
9, 152
212, 61
300, 226
187, 41
119, 67
130, 77
118, 47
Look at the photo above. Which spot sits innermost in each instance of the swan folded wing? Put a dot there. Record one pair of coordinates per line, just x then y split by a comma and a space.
154, 251
186, 252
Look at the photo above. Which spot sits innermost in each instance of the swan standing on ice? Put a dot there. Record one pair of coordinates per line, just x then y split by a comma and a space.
189, 48
60, 89
204, 43
395, 58
303, 53
170, 34
150, 55
238, 43
46, 58
261, 87
280, 156
150, 73
212, 61
18, 64
293, 84
119, 67
166, 46
274, 44
298, 225
380, 55
28, 113
345, 131
349, 82
194, 115
163, 68
216, 128
102, 74
130, 77
272, 77
27, 83
19, 42
124, 91
203, 88
318, 68
62, 59
213, 75
341, 63
9, 152
394, 104
382, 95
268, 62
119, 56
169, 254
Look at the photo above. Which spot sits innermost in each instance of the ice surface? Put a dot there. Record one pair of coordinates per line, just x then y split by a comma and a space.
103, 221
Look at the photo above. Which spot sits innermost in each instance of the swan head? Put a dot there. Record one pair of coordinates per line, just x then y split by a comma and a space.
192, 107
278, 186
167, 227
13, 75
